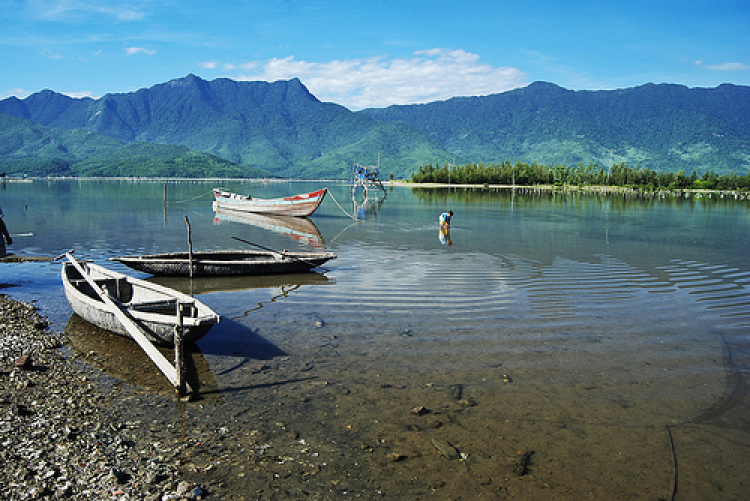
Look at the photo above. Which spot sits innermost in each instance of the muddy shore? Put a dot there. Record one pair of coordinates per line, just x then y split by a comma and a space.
69, 431
82, 417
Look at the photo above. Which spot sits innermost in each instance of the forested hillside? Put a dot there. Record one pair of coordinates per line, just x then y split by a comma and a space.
27, 148
662, 127
277, 127
281, 129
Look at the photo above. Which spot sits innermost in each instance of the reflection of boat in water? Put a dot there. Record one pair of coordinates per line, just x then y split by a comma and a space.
121, 358
204, 285
300, 229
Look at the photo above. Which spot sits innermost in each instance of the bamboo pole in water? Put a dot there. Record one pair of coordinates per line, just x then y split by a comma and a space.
190, 246
179, 353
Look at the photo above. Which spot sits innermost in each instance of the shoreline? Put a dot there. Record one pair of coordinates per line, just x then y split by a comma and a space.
593, 189
60, 440
589, 189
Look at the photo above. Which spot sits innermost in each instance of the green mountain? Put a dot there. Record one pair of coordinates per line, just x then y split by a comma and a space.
32, 149
282, 129
664, 127
277, 127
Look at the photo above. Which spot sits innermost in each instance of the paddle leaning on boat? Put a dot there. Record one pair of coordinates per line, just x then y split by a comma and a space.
123, 304
300, 205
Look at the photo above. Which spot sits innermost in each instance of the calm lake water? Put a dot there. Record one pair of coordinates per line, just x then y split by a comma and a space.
603, 332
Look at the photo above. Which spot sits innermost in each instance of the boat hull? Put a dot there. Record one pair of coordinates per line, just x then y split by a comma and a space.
151, 306
300, 205
226, 263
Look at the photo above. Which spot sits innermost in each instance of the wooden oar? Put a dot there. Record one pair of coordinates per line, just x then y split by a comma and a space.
312, 265
114, 306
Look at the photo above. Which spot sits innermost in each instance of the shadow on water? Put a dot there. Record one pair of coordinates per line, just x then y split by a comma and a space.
230, 338
122, 359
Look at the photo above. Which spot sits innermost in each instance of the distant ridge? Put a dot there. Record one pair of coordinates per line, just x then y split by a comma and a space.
664, 127
282, 129
35, 150
277, 127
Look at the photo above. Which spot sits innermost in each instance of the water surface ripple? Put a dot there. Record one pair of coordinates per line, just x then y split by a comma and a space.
581, 328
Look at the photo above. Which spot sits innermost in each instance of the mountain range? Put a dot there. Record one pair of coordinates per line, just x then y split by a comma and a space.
189, 127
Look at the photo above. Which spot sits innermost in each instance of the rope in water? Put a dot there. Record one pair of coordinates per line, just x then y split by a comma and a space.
674, 463
342, 209
210, 192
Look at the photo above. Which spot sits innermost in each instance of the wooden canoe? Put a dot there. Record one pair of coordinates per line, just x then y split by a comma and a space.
151, 306
226, 262
302, 204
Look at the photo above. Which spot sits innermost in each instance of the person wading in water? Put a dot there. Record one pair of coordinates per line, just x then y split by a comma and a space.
4, 232
445, 219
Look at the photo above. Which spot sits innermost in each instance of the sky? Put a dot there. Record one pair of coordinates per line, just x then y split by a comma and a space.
363, 54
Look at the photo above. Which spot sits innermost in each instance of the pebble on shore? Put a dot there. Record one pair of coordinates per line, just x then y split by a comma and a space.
57, 438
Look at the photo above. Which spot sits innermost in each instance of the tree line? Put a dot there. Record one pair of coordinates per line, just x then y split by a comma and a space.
530, 174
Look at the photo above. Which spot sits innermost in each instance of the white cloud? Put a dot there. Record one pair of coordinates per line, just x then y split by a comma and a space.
49, 54
72, 9
17, 92
138, 50
730, 67
78, 95
429, 75
209, 65
724, 66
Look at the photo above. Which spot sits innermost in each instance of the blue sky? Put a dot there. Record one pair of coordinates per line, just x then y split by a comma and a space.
372, 53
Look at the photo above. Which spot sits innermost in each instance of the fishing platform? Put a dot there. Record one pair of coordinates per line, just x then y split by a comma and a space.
366, 183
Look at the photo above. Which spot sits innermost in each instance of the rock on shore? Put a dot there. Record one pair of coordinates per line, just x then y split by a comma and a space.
57, 438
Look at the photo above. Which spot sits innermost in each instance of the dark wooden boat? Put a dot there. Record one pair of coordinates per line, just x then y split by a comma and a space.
152, 307
302, 204
226, 262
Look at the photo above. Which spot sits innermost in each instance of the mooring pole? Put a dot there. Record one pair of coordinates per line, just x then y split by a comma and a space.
190, 246
179, 352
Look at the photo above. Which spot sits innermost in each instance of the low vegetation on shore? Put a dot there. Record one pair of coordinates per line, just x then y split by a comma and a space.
618, 175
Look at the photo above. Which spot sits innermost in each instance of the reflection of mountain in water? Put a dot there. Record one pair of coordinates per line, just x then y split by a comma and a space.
123, 359
300, 229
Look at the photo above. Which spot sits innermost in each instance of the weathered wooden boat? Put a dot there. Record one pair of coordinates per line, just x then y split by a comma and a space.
152, 307
226, 262
302, 204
